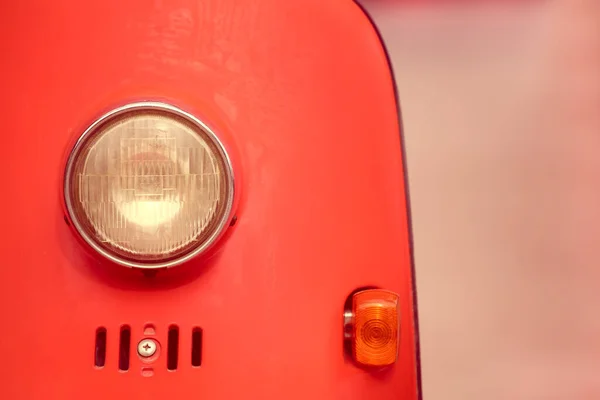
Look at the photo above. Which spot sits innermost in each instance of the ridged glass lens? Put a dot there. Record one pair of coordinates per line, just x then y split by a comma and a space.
148, 185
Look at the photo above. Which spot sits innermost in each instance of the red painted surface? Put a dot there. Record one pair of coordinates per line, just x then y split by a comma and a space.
303, 92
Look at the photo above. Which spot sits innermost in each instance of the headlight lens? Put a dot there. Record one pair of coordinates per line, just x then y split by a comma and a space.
148, 185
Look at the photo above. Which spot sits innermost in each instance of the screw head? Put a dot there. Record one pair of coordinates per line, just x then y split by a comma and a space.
147, 347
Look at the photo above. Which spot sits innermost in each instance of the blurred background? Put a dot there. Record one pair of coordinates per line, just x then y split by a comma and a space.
501, 110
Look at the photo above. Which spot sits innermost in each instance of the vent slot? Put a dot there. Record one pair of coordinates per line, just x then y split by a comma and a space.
196, 347
173, 348
124, 348
100, 348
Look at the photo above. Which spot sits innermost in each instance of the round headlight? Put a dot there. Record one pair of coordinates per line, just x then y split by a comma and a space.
149, 186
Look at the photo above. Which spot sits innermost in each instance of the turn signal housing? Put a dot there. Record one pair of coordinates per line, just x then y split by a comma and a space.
372, 326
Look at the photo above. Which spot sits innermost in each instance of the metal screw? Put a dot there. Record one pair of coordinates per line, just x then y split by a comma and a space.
147, 347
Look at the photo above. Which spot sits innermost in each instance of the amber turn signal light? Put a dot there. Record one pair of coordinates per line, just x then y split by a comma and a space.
372, 327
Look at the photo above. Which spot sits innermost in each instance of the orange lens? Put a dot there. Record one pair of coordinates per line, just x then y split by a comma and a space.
376, 327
